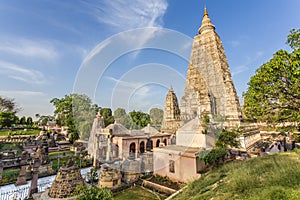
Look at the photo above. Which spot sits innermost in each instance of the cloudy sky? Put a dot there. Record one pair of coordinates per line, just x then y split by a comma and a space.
127, 53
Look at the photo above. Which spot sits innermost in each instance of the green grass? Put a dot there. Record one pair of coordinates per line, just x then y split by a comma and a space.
12, 146
270, 177
64, 159
5, 132
10, 175
136, 193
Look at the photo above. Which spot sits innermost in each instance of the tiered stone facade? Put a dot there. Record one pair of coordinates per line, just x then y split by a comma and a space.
66, 180
209, 86
171, 120
110, 176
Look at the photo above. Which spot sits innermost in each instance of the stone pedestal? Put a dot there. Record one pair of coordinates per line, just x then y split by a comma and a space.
131, 170
22, 176
35, 173
110, 177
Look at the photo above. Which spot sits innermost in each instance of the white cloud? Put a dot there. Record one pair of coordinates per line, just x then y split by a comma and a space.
234, 43
21, 93
22, 74
29, 48
239, 69
30, 102
125, 15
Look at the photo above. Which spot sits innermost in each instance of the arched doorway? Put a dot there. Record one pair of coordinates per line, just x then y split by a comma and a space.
132, 149
157, 142
165, 142
149, 145
142, 147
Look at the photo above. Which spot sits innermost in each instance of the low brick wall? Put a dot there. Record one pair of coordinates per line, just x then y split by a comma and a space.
158, 187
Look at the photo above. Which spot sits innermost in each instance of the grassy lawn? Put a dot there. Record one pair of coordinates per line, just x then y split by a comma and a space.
64, 157
271, 177
13, 146
5, 132
136, 193
9, 175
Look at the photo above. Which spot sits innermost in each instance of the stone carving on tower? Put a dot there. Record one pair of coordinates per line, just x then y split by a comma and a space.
171, 120
209, 91
209, 86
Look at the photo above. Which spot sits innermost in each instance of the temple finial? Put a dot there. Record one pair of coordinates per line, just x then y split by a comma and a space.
171, 89
205, 11
206, 23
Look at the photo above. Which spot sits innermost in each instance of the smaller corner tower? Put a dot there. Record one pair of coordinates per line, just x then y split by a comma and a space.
171, 120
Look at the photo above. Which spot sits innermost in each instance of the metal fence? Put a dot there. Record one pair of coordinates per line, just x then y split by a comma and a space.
21, 193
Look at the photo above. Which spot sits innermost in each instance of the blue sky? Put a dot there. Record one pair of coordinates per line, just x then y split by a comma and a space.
47, 45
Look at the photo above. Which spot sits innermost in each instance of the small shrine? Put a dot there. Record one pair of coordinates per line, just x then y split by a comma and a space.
66, 180
110, 176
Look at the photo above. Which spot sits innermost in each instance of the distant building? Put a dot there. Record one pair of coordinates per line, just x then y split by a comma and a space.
171, 120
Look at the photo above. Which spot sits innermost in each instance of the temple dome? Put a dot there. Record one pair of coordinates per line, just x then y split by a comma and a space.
150, 130
118, 129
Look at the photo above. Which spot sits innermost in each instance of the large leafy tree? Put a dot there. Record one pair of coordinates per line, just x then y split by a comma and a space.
77, 112
156, 116
119, 112
123, 118
29, 121
273, 95
7, 119
23, 120
8, 105
108, 118
139, 119
229, 138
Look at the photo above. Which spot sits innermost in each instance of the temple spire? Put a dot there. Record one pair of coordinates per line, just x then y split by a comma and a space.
206, 23
205, 12
171, 89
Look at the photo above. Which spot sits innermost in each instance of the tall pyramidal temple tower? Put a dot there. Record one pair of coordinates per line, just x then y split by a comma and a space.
171, 120
209, 88
209, 92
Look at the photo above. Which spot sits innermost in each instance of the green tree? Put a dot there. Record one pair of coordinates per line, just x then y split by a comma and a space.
212, 157
7, 119
92, 176
29, 121
273, 94
8, 105
23, 120
43, 120
156, 116
108, 118
228, 138
118, 113
293, 39
75, 111
139, 119
73, 137
126, 121
93, 192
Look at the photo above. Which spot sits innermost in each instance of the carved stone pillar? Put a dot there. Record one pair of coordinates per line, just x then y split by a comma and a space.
96, 151
35, 173
22, 176
109, 149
